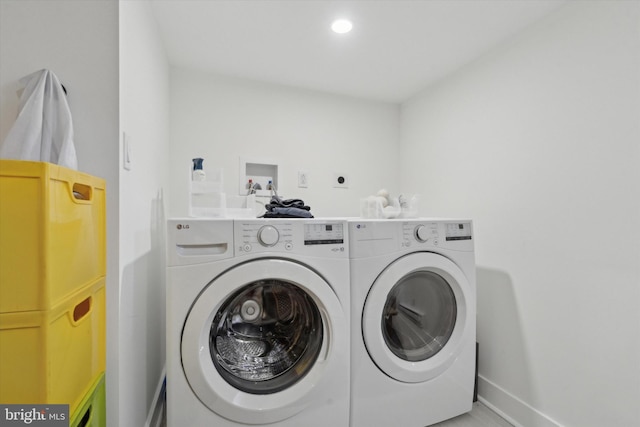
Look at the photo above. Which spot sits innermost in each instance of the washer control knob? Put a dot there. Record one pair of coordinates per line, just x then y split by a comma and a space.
268, 235
422, 233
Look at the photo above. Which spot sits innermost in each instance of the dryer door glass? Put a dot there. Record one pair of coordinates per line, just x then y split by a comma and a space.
419, 316
266, 336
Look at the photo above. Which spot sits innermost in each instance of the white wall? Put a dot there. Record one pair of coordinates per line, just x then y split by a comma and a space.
539, 142
78, 41
144, 117
222, 119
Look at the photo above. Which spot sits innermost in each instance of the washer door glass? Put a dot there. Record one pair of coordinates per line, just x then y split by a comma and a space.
263, 340
266, 336
419, 316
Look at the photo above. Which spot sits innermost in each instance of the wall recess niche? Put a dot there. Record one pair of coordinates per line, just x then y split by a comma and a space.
260, 173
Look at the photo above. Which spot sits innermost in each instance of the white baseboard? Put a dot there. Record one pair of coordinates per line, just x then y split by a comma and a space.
154, 417
510, 407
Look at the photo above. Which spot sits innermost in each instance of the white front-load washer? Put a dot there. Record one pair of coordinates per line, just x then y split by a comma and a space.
258, 318
413, 327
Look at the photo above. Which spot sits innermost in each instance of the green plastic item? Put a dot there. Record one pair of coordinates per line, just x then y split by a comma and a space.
92, 411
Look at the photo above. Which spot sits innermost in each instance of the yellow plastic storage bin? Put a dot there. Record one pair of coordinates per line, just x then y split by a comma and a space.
52, 223
92, 411
54, 356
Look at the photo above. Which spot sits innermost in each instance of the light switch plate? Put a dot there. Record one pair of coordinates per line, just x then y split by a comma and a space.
303, 179
126, 151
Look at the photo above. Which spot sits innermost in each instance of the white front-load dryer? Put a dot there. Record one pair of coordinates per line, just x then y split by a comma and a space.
257, 323
413, 323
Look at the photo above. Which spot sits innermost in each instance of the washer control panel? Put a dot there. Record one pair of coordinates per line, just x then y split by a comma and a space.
312, 237
324, 233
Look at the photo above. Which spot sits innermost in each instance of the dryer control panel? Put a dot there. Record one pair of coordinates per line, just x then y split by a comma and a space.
436, 233
379, 237
310, 237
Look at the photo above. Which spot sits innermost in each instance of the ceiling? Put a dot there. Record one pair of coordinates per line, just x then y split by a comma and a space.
396, 47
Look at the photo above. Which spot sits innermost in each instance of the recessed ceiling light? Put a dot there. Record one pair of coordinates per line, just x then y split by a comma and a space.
341, 26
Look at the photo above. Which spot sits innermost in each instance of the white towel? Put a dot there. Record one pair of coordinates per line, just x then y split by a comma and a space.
43, 130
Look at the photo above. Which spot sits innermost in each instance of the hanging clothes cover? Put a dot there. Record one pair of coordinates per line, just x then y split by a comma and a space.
43, 130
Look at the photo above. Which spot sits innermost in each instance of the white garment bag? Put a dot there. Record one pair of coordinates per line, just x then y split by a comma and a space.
43, 130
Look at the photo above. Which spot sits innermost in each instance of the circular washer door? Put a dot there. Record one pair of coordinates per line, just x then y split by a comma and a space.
416, 316
259, 339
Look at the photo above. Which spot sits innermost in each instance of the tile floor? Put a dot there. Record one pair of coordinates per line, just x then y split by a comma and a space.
480, 416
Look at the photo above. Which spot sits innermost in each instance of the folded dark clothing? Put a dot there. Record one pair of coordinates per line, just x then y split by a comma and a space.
277, 202
287, 213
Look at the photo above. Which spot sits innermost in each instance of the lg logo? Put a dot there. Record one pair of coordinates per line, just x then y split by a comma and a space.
182, 226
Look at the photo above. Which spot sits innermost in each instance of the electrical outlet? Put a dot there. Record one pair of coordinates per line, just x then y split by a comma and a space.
303, 179
340, 180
